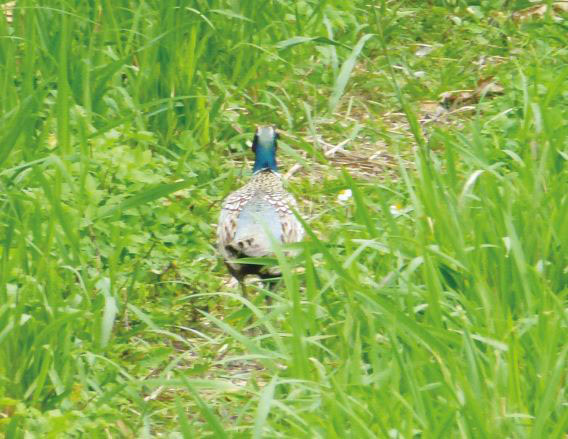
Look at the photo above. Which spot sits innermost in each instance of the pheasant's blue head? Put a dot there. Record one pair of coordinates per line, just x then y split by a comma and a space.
264, 148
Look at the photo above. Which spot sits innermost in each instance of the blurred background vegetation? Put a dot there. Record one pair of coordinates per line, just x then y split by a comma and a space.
430, 139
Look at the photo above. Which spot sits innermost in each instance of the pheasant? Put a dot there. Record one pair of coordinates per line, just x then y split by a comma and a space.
257, 214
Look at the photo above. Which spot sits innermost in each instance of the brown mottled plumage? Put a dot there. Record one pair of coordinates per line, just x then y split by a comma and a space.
257, 213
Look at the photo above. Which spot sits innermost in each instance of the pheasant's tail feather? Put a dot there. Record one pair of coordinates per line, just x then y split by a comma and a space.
252, 246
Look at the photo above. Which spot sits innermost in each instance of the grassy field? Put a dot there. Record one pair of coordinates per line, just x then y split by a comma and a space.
428, 143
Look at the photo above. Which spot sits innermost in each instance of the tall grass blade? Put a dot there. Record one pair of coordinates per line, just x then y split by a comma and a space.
345, 72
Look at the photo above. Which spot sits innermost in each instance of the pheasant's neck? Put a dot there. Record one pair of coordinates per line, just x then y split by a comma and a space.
265, 159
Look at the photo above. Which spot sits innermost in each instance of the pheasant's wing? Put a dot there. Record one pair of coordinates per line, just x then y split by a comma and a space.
228, 220
292, 229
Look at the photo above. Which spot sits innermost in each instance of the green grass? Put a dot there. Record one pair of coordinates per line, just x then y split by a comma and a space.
430, 304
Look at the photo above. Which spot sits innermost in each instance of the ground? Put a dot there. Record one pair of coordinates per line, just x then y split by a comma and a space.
426, 145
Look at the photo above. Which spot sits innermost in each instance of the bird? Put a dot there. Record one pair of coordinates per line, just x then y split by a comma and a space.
258, 214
